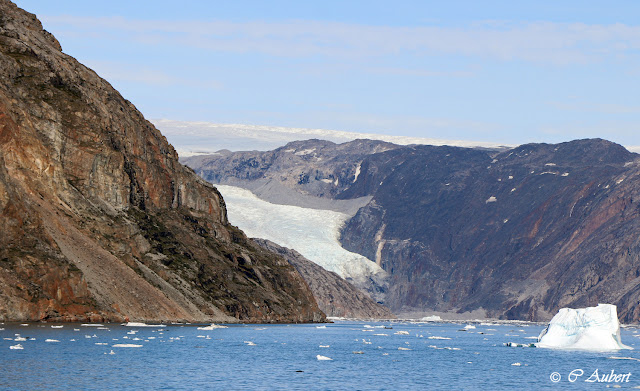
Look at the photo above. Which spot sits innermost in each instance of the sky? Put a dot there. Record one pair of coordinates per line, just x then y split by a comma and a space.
495, 71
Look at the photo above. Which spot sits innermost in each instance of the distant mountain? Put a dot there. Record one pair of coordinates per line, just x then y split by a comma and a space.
515, 233
100, 222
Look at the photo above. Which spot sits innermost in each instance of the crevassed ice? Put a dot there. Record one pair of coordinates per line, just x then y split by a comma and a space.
313, 233
591, 328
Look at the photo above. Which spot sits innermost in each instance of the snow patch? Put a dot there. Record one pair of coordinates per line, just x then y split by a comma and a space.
357, 172
305, 152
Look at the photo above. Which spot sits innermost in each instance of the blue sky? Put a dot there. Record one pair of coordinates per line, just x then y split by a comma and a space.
508, 72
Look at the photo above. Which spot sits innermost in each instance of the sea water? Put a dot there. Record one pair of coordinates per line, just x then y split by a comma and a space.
361, 356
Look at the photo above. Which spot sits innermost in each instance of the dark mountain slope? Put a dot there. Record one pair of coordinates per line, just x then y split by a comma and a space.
517, 233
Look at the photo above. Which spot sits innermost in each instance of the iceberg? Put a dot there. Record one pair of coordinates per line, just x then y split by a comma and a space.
591, 328
213, 326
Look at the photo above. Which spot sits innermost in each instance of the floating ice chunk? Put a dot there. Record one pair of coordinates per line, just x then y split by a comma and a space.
403, 348
324, 346
432, 318
51, 340
491, 199
401, 332
591, 328
516, 364
16, 347
56, 327
469, 327
321, 327
126, 345
624, 358
437, 337
250, 343
20, 339
91, 325
212, 326
323, 358
139, 324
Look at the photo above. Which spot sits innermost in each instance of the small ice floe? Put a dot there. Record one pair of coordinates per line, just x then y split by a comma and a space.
624, 358
321, 327
212, 326
132, 332
56, 327
126, 345
437, 337
103, 328
76, 329
519, 345
516, 364
20, 339
102, 343
323, 358
431, 318
51, 340
16, 347
323, 346
591, 328
450, 348
111, 352
250, 343
403, 348
357, 352
381, 335
24, 324
401, 332
140, 324
92, 325
469, 327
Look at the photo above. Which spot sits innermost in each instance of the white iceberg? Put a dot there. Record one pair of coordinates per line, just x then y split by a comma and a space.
323, 358
139, 324
591, 328
212, 327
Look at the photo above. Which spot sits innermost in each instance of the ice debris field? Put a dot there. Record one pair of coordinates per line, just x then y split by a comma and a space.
342, 355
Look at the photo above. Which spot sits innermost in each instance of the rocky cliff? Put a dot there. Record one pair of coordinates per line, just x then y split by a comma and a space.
99, 219
513, 234
335, 296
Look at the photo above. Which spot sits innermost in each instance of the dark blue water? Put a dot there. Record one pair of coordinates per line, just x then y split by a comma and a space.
284, 357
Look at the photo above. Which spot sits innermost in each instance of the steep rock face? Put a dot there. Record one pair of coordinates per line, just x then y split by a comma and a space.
517, 233
101, 221
335, 296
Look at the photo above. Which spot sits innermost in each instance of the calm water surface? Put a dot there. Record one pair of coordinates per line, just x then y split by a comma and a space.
284, 357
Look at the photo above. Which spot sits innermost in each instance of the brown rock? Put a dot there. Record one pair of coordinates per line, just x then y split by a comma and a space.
100, 220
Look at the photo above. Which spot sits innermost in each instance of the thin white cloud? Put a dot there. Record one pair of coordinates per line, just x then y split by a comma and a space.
605, 108
540, 42
115, 71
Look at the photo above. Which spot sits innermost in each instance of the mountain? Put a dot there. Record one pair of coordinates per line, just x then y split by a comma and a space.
100, 221
335, 296
514, 234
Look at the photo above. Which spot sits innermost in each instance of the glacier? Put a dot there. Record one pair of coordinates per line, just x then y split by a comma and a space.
314, 233
591, 328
